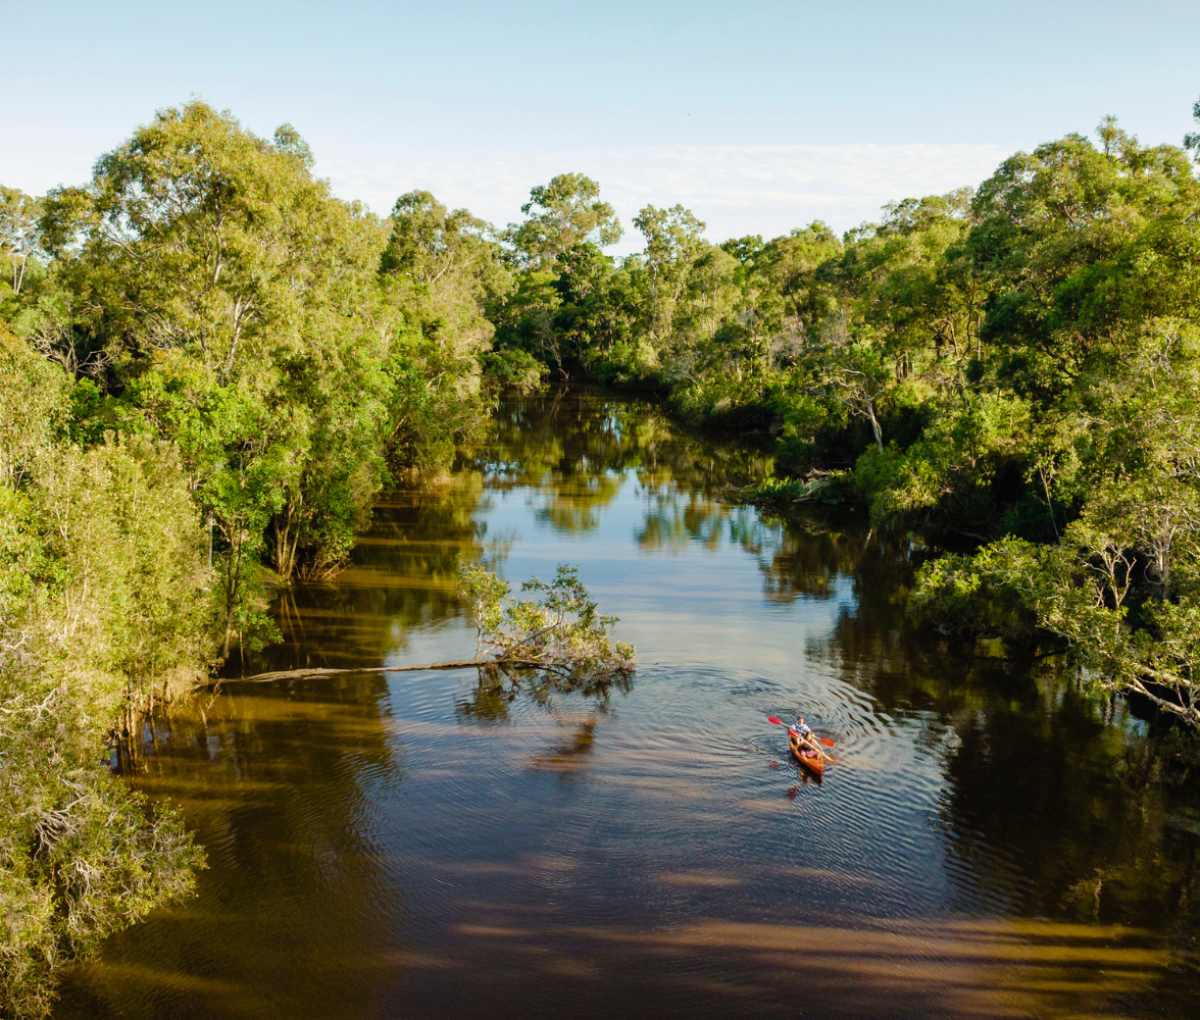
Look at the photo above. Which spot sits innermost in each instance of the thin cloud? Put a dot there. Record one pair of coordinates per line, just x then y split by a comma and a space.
736, 190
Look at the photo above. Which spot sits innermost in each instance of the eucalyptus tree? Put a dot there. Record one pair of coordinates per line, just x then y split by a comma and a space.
439, 273
20, 237
674, 240
246, 317
561, 215
788, 267
557, 254
104, 608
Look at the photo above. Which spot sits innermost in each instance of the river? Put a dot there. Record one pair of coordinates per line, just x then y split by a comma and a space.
988, 841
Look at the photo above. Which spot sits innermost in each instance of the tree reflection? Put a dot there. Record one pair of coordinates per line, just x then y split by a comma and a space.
1051, 805
495, 691
810, 556
579, 448
569, 756
281, 786
402, 575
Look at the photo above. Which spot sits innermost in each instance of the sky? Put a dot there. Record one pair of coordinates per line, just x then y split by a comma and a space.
758, 116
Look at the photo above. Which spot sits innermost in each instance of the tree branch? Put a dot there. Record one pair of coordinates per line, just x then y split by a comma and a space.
320, 673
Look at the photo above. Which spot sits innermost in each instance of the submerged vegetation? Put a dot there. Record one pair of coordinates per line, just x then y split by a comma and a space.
562, 633
213, 366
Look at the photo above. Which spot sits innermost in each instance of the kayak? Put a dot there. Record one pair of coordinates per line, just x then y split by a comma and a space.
814, 764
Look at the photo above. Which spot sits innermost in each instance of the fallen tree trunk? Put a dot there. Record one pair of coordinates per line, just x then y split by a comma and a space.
562, 634
319, 673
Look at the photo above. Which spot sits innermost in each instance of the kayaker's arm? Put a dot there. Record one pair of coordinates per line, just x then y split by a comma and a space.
809, 743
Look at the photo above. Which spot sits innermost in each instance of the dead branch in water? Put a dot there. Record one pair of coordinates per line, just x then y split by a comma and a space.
562, 634
483, 662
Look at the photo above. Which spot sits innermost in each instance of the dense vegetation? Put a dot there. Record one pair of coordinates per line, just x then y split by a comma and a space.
212, 366
1015, 367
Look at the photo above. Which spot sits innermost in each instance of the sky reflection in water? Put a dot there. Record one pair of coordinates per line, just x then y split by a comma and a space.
419, 844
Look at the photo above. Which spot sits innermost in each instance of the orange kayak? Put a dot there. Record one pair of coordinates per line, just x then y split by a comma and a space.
811, 761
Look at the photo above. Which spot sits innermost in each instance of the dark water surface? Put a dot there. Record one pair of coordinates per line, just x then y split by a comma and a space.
418, 845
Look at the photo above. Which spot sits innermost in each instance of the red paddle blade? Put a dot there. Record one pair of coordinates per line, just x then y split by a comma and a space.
826, 741
777, 722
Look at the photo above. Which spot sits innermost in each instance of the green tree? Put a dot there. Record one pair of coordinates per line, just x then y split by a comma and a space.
561, 215
286, 339
105, 606
20, 236
674, 239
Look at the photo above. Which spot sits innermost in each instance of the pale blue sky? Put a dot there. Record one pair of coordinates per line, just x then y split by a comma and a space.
758, 115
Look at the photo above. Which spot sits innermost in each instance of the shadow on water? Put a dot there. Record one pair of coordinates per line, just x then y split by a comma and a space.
282, 788
987, 842
1046, 792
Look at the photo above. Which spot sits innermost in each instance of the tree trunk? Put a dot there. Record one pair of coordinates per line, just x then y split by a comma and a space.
320, 673
875, 425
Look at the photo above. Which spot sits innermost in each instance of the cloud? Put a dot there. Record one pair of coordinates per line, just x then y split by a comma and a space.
736, 190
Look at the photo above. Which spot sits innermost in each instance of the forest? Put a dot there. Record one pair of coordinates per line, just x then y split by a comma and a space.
212, 366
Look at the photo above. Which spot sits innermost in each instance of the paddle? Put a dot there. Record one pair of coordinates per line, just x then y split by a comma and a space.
780, 722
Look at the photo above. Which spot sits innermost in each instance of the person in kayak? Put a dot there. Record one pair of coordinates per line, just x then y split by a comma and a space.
804, 736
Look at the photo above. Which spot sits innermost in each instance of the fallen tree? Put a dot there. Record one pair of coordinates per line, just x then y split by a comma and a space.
561, 634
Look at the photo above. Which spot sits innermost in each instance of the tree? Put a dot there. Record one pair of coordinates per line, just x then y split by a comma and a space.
440, 274
428, 242
196, 235
674, 239
20, 235
562, 634
856, 374
562, 214
251, 322
105, 607
1191, 141
558, 251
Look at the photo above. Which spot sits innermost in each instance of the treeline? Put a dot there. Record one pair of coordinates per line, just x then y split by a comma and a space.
1015, 367
210, 366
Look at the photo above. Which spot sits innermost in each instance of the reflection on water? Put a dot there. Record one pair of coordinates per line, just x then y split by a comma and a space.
987, 842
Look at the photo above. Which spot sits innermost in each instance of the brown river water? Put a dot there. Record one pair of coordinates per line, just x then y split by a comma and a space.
989, 842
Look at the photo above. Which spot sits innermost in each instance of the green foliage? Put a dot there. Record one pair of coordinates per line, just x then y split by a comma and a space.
21, 254
947, 476
216, 295
211, 367
563, 214
562, 632
832, 488
105, 606
1016, 365
513, 367
993, 591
